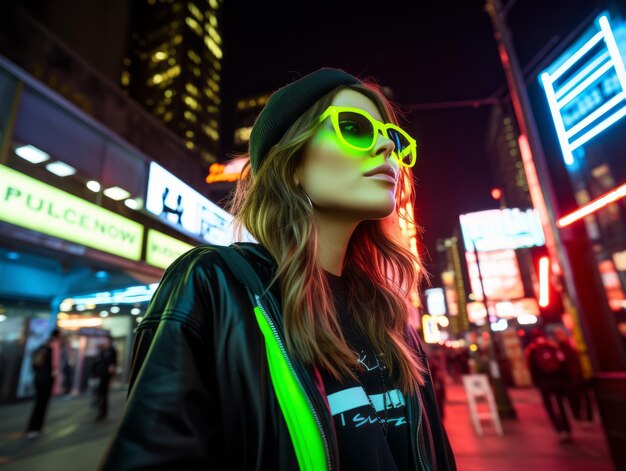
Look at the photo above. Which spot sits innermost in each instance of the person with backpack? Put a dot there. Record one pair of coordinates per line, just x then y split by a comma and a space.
299, 351
44, 380
546, 363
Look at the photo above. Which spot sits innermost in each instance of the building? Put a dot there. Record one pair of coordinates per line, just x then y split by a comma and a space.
173, 69
506, 161
99, 197
246, 112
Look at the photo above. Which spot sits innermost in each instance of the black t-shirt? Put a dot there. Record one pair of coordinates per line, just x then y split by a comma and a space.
362, 443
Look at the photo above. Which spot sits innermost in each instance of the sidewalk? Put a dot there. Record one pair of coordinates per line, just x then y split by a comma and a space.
529, 443
73, 442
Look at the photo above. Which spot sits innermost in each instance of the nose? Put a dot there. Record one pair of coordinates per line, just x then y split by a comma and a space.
384, 146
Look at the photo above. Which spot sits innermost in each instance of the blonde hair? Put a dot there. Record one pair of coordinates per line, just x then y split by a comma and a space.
378, 269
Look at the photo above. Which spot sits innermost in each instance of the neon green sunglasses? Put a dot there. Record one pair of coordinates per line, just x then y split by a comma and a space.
357, 129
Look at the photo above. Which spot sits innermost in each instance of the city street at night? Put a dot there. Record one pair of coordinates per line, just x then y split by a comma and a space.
313, 235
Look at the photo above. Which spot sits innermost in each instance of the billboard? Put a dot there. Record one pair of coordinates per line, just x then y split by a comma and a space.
176, 203
501, 229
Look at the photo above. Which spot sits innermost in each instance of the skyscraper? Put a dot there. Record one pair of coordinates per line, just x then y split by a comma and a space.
173, 68
502, 147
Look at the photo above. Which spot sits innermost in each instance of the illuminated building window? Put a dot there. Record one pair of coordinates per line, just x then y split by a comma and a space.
214, 85
213, 33
189, 116
212, 109
176, 40
168, 93
212, 19
212, 96
168, 116
241, 105
159, 56
192, 89
213, 47
194, 25
196, 72
125, 79
191, 102
195, 11
213, 124
155, 79
215, 76
171, 61
214, 4
193, 56
190, 145
242, 135
212, 133
189, 134
160, 110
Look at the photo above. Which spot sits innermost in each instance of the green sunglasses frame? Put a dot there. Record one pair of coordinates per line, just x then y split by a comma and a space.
378, 126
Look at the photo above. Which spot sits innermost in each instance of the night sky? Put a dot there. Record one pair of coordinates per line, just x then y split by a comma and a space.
426, 52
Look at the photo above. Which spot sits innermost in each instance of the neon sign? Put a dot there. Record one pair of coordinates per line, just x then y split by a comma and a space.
586, 88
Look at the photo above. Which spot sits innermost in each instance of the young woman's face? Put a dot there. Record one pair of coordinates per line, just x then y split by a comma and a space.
335, 176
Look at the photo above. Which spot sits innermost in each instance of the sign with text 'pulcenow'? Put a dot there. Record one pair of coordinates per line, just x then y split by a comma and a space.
30, 203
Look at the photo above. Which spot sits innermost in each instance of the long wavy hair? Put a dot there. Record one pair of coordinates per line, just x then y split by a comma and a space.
379, 270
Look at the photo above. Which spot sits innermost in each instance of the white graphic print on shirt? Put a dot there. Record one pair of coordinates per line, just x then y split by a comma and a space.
353, 405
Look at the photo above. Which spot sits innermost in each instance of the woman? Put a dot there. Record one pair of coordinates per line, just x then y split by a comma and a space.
321, 370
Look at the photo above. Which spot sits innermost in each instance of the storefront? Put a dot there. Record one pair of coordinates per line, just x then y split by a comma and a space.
78, 248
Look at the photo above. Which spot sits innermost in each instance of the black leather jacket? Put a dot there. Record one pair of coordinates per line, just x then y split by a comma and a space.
200, 392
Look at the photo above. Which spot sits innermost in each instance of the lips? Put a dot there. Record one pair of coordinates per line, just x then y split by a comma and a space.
384, 170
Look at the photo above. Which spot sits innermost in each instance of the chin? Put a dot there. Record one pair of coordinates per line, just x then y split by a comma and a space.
381, 211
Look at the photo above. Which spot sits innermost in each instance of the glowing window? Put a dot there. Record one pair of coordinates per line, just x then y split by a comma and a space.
195, 11
192, 89
194, 25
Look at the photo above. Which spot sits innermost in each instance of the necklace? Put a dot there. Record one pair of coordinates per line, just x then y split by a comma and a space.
382, 368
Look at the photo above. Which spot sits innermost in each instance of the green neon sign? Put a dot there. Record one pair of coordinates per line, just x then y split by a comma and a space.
162, 250
29, 203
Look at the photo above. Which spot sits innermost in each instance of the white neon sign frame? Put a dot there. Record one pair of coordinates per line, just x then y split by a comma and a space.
601, 118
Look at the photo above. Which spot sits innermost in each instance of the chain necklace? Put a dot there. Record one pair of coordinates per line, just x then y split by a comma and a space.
382, 368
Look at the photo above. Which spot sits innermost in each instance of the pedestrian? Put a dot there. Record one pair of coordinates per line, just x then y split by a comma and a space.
105, 365
295, 352
577, 388
45, 374
546, 363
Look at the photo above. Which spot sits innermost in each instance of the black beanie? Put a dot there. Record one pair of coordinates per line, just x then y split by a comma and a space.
287, 104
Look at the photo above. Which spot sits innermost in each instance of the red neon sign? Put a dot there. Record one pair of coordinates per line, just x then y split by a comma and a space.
593, 206
544, 281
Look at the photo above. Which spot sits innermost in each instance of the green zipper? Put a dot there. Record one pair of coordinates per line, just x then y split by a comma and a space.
305, 430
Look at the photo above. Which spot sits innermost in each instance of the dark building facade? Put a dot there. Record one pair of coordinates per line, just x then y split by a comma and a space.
506, 161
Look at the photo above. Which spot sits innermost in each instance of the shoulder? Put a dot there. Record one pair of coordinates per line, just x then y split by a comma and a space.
204, 258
